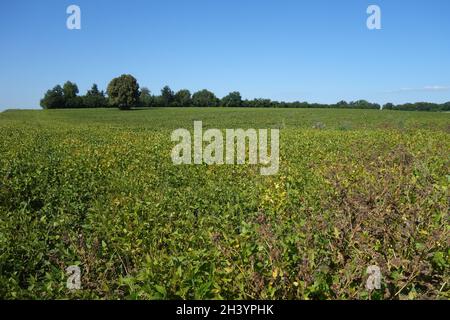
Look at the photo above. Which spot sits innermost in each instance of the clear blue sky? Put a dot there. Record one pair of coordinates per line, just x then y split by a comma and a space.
317, 51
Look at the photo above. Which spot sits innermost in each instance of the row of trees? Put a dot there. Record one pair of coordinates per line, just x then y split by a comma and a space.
419, 106
124, 93
67, 97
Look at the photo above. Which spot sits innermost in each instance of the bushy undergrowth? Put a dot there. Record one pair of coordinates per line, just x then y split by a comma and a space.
83, 188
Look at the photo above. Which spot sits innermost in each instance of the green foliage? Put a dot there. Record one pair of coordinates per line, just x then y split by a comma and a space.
70, 90
71, 99
97, 188
146, 99
123, 92
167, 97
261, 103
205, 98
183, 98
421, 106
233, 99
54, 98
95, 98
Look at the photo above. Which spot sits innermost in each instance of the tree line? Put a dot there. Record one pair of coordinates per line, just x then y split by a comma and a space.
124, 93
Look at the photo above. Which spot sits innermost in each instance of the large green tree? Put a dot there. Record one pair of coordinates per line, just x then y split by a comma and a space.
71, 98
53, 99
205, 98
183, 98
70, 90
167, 96
233, 99
123, 92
